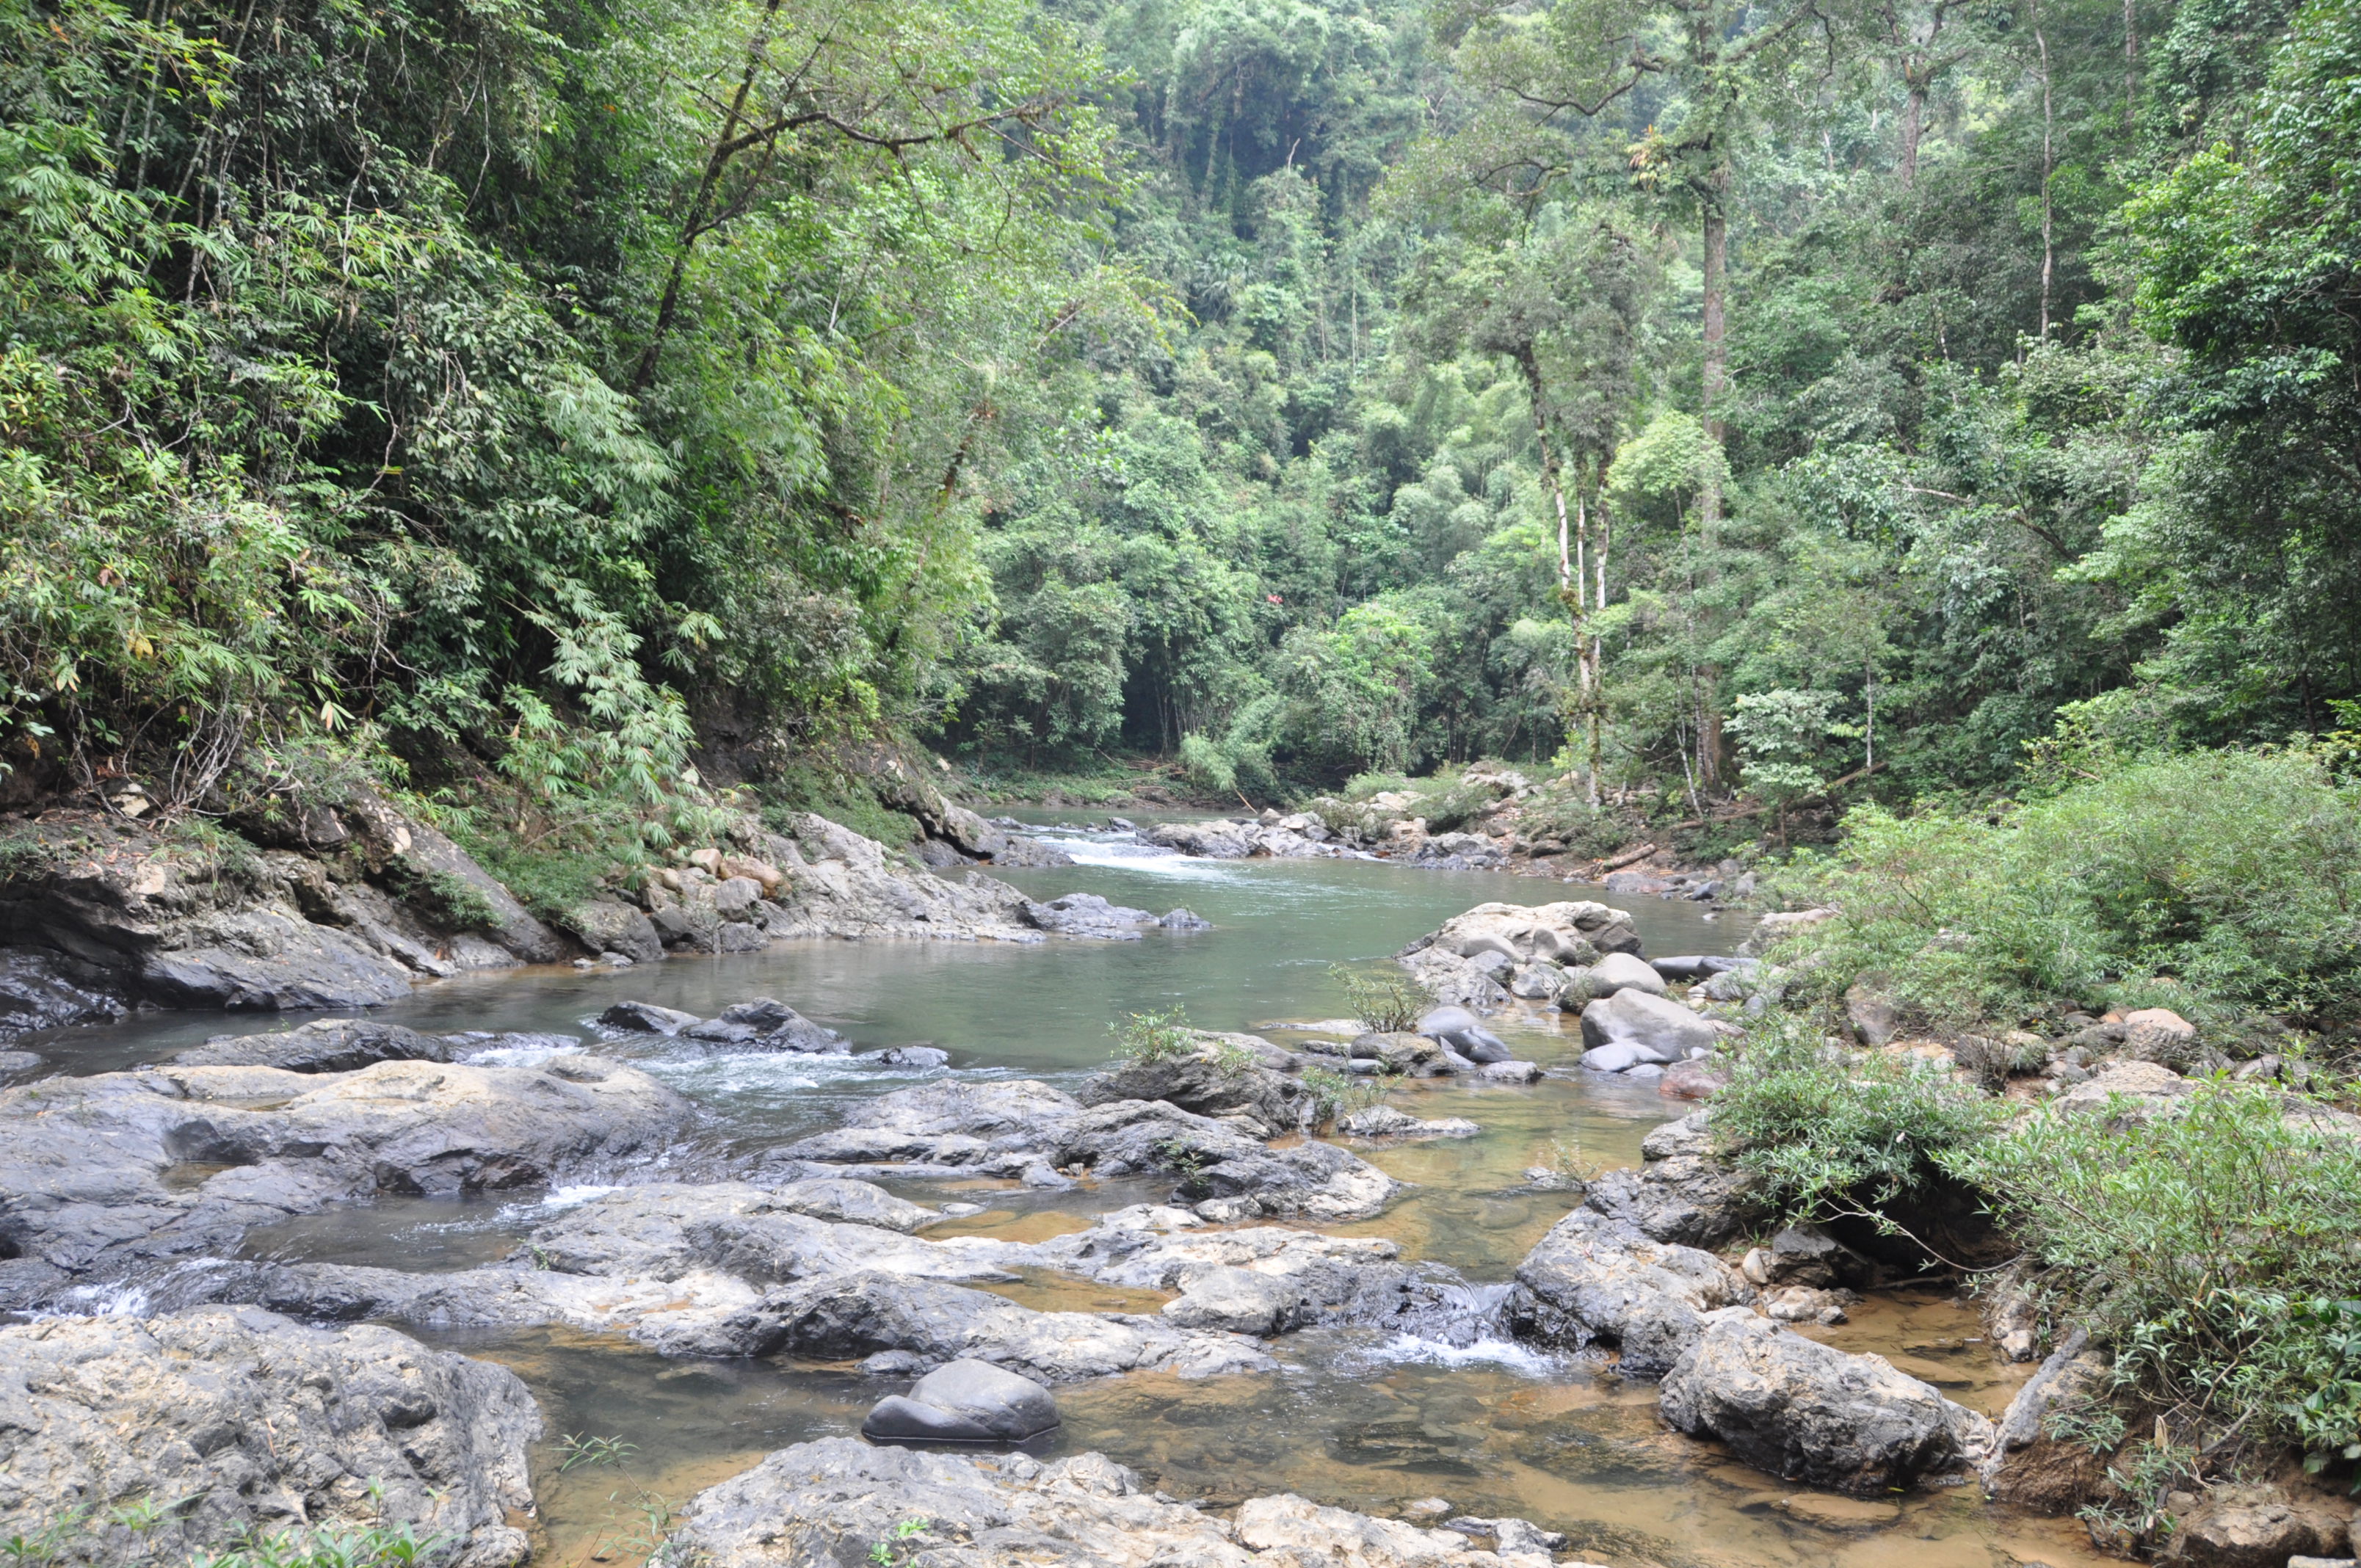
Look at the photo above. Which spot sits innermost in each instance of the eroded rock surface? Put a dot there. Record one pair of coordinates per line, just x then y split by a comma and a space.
1594, 1278
1809, 1412
828, 1502
239, 1419
1681, 1192
176, 1161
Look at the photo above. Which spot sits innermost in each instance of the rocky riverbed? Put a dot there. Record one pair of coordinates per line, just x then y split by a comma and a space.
1261, 1325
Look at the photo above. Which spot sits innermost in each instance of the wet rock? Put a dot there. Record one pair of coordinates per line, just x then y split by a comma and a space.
767, 1234
1235, 1300
923, 1323
1457, 982
1463, 1033
964, 1401
830, 1501
1594, 1278
1537, 983
1226, 1074
647, 1018
767, 1025
1087, 915
43, 990
1693, 967
1812, 1413
2027, 1466
1681, 1192
1652, 1028
242, 1420
1385, 1122
1214, 840
83, 1161
1455, 962
1184, 920
324, 1045
909, 1055
1508, 1072
1692, 1079
1015, 1127
610, 926
15, 1064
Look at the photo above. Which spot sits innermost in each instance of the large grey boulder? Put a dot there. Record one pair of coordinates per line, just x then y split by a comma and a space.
1621, 971
838, 883
830, 1501
767, 1025
180, 1160
1464, 1033
796, 1231
324, 1045
1653, 1029
1088, 914
1592, 1279
1809, 1412
2026, 1464
235, 1420
964, 1401
607, 925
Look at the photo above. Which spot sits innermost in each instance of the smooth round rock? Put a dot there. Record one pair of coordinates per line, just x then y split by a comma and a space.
1621, 971
964, 1401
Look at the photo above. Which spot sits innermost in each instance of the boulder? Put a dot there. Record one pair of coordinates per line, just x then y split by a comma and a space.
1508, 1072
1875, 1016
1621, 972
909, 1055
1692, 967
1235, 1300
605, 925
1087, 915
838, 883
1463, 1033
2133, 1090
1662, 1029
324, 1045
1184, 920
1692, 1079
1773, 929
767, 1025
1809, 1412
1593, 1278
1385, 1122
899, 1324
1681, 1192
798, 1229
833, 1500
45, 990
1226, 1074
240, 1421
2024, 1464
2255, 1527
647, 1018
964, 1401
175, 1161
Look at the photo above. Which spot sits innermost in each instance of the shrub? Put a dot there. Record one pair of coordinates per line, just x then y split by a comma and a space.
1389, 1001
2212, 1248
1206, 767
1151, 1037
2236, 876
1341, 1093
1824, 1132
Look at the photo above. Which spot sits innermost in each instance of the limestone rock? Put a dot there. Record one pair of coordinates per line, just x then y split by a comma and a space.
243, 1420
1385, 1122
1594, 1278
1809, 1412
324, 1045
1654, 1028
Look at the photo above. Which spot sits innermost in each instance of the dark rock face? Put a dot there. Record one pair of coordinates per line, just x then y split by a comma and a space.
761, 1024
1227, 1075
84, 1161
964, 1401
253, 1419
647, 1018
324, 1045
1594, 1278
1809, 1412
44, 989
2028, 1467
611, 926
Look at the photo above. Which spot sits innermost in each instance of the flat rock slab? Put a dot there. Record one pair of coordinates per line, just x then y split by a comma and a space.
84, 1161
830, 1501
248, 1420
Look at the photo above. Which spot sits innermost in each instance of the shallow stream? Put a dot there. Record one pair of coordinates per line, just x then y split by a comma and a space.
1356, 1420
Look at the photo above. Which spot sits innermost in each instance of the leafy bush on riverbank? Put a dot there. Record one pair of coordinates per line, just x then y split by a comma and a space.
2218, 882
2212, 1248
1824, 1132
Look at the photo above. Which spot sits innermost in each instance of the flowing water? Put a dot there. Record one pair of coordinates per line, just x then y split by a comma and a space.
1358, 1420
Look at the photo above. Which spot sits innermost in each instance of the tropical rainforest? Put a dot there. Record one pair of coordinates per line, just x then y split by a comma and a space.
1693, 396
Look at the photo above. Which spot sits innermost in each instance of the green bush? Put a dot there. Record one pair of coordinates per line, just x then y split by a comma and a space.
1341, 1093
2223, 880
1825, 1131
1146, 1038
1387, 1001
2213, 1248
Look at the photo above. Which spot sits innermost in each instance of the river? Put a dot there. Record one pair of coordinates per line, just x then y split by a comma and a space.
1376, 1425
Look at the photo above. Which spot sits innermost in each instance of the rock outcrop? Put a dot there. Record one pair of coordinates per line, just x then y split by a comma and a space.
233, 1419
1475, 958
1224, 1075
1028, 1130
830, 1501
1809, 1412
1597, 1280
169, 1162
838, 883
1681, 1192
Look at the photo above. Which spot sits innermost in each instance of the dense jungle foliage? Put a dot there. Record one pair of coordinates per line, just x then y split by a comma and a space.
1739, 395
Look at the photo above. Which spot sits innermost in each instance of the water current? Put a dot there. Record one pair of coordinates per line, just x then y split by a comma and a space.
1381, 1425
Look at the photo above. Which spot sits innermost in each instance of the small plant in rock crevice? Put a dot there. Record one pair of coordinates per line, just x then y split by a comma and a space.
581, 1449
1338, 1094
900, 1546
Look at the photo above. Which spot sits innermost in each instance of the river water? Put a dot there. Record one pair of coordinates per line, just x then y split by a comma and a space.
1359, 1421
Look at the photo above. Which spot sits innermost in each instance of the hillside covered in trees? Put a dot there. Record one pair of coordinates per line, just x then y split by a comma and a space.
1704, 396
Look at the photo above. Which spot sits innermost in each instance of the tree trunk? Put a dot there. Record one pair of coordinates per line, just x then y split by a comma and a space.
1530, 363
2131, 67
2049, 167
1717, 353
1593, 651
1913, 114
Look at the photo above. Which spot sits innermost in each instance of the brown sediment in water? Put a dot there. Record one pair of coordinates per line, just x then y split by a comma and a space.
1009, 1225
1044, 1291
